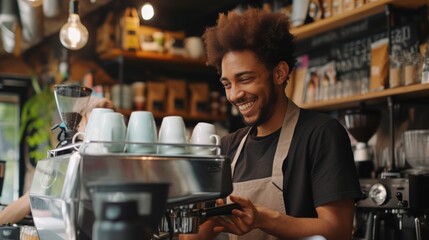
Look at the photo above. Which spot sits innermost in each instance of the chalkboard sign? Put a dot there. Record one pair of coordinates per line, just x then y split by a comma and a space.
348, 49
353, 58
405, 38
369, 26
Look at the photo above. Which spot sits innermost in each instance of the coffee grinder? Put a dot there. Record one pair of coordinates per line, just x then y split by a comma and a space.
71, 100
362, 124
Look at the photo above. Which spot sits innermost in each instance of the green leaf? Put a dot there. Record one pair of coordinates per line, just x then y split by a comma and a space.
36, 119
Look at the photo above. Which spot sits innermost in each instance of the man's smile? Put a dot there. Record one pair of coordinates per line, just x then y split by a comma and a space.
245, 105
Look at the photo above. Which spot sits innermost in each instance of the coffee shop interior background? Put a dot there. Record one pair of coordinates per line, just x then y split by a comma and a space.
162, 59
31, 53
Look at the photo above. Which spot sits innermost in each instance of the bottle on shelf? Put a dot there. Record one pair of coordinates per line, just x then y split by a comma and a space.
396, 68
425, 66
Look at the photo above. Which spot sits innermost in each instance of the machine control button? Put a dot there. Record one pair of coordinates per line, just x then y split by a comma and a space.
378, 194
364, 195
403, 204
399, 196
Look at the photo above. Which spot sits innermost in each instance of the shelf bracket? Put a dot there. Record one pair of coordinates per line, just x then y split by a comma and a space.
121, 81
392, 107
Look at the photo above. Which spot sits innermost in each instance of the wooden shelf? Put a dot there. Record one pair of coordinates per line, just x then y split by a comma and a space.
406, 92
155, 60
366, 10
144, 56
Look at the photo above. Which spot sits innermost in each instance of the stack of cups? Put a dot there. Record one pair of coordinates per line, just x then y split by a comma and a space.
113, 129
204, 134
141, 129
106, 132
104, 125
173, 132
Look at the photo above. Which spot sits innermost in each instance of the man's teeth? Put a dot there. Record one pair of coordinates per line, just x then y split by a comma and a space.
245, 106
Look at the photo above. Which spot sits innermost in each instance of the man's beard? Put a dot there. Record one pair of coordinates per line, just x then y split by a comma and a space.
266, 111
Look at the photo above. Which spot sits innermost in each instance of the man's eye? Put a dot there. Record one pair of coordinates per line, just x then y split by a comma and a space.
246, 79
226, 84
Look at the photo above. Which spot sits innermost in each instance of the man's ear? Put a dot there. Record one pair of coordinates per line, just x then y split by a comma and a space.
281, 71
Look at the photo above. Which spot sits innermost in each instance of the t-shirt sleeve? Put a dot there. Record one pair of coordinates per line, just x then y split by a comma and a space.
333, 171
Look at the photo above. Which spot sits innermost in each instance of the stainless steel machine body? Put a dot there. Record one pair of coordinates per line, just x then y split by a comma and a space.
61, 199
394, 208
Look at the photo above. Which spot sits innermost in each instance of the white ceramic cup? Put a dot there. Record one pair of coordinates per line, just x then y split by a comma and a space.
113, 129
92, 129
205, 134
173, 131
299, 12
141, 129
194, 47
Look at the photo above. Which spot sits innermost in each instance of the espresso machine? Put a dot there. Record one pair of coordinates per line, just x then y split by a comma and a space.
396, 205
101, 195
64, 201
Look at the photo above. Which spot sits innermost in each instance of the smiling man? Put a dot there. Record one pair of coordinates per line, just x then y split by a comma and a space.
293, 170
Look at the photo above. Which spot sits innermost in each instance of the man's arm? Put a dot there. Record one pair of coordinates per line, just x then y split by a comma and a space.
16, 211
334, 221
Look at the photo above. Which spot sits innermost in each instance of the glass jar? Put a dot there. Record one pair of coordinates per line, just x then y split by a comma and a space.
395, 70
411, 68
425, 67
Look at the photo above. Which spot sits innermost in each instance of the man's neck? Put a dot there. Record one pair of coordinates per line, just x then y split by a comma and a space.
275, 121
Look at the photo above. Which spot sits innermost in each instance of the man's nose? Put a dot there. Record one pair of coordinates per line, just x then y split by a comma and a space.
235, 92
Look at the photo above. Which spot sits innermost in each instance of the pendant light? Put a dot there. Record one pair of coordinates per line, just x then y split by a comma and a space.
147, 11
73, 34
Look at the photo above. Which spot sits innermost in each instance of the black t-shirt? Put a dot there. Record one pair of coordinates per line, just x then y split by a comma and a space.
319, 167
257, 164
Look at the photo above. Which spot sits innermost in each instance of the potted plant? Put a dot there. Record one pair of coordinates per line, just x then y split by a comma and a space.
36, 121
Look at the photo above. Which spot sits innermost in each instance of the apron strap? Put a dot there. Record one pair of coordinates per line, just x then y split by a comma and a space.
237, 153
283, 145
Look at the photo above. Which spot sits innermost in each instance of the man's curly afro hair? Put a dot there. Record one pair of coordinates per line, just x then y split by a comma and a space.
266, 34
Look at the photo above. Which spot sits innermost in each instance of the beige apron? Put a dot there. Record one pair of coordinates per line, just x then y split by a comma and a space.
268, 191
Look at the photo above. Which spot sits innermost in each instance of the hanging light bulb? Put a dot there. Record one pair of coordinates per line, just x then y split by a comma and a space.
73, 34
147, 11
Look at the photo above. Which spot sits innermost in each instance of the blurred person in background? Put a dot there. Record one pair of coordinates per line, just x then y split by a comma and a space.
19, 209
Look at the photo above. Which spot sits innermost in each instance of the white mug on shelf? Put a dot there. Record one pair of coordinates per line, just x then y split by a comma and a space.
141, 129
299, 12
194, 47
172, 131
204, 134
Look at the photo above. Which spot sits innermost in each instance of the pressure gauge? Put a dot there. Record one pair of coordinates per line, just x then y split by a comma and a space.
378, 194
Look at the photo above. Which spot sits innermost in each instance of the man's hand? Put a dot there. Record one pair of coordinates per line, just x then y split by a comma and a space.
241, 221
334, 221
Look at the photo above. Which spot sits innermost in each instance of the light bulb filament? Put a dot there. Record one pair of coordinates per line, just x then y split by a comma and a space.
73, 34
